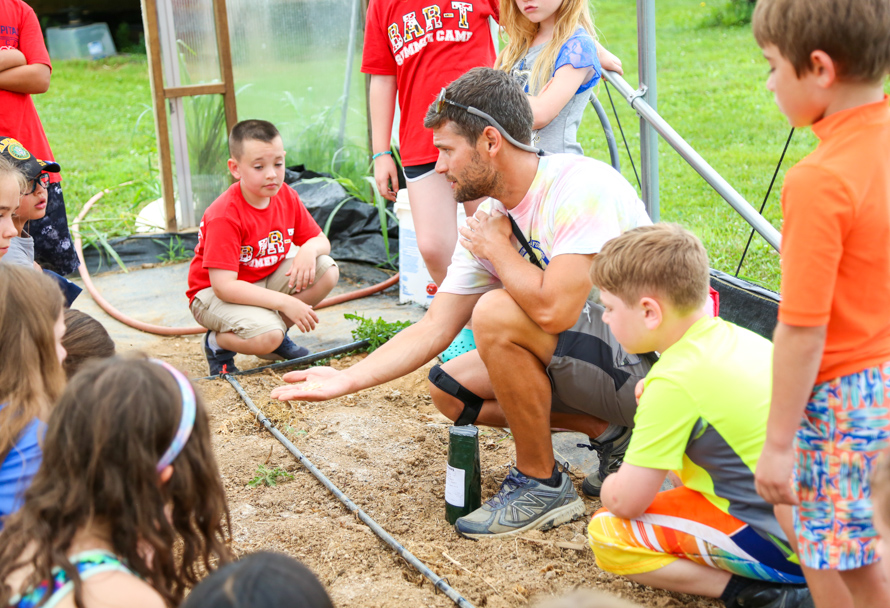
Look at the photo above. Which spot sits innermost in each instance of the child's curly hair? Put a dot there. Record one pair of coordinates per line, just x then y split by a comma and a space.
104, 439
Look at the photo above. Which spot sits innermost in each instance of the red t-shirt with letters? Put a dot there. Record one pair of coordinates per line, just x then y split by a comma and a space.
425, 44
235, 235
20, 30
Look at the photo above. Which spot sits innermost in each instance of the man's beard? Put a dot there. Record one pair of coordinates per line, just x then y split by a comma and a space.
477, 180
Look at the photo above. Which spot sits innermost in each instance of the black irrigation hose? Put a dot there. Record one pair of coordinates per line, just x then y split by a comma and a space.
440, 583
338, 350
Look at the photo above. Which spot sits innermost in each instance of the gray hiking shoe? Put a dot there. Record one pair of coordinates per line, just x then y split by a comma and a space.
520, 505
610, 450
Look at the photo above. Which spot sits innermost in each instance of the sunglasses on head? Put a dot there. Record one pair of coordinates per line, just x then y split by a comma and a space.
441, 100
42, 179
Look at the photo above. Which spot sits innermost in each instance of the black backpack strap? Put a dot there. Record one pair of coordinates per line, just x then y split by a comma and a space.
524, 242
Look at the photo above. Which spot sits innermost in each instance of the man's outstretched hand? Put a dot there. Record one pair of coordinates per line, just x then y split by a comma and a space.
313, 384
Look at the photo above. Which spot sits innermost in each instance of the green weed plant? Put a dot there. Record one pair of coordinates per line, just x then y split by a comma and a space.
268, 477
366, 191
175, 251
376, 331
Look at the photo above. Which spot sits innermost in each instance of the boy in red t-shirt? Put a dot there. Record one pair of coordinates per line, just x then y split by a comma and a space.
829, 422
240, 289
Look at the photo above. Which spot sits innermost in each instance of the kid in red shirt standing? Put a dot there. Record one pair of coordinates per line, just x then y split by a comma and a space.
414, 48
240, 287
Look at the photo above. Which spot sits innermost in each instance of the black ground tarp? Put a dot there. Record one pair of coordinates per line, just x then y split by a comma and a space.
746, 304
355, 231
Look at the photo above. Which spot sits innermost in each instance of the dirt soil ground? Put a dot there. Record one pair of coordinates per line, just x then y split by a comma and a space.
386, 449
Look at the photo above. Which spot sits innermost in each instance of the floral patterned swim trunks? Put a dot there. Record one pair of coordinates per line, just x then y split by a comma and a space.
844, 430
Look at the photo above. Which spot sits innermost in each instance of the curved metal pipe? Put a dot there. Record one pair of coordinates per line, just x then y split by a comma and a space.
607, 130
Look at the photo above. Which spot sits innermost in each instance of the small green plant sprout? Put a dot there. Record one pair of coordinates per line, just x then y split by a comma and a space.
176, 251
268, 477
376, 332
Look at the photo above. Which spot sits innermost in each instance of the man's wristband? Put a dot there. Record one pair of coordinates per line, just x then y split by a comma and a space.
381, 154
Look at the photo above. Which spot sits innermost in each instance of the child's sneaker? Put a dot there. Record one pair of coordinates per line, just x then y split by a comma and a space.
463, 343
287, 351
221, 361
763, 594
610, 448
520, 505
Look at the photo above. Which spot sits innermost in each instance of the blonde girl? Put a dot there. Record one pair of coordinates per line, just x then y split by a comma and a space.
31, 376
553, 53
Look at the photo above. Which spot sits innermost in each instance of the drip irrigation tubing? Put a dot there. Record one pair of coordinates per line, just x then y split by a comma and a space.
161, 330
438, 582
333, 352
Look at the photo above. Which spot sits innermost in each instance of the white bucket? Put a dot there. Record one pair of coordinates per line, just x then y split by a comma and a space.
415, 284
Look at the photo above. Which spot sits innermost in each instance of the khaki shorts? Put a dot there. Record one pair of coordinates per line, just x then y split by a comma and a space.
250, 321
590, 373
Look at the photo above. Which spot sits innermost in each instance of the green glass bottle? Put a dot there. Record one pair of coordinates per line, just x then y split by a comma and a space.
463, 479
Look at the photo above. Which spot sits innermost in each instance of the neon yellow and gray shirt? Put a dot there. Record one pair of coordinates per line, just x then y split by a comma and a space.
703, 415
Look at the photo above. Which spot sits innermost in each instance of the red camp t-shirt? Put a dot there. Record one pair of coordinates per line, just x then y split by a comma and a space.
19, 29
426, 45
235, 235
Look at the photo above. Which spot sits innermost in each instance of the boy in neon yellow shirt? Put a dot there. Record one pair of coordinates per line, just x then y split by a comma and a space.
702, 414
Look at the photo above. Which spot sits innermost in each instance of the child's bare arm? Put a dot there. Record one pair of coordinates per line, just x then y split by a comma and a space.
630, 491
558, 91
797, 352
11, 58
32, 79
608, 61
382, 101
302, 269
228, 288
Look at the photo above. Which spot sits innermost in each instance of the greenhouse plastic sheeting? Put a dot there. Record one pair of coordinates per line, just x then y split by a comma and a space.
290, 60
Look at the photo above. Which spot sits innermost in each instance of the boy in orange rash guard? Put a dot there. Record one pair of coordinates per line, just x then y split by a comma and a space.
828, 424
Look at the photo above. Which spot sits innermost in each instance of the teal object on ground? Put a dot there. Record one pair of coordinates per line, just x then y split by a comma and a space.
463, 343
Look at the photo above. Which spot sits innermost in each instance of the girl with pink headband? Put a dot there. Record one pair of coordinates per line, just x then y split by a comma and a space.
128, 506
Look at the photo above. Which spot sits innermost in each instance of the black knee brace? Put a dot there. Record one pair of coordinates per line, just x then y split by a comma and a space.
472, 402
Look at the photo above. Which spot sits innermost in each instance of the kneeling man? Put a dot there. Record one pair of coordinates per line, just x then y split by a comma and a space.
544, 357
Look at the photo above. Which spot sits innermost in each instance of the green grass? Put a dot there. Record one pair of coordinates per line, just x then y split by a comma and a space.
710, 88
91, 117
